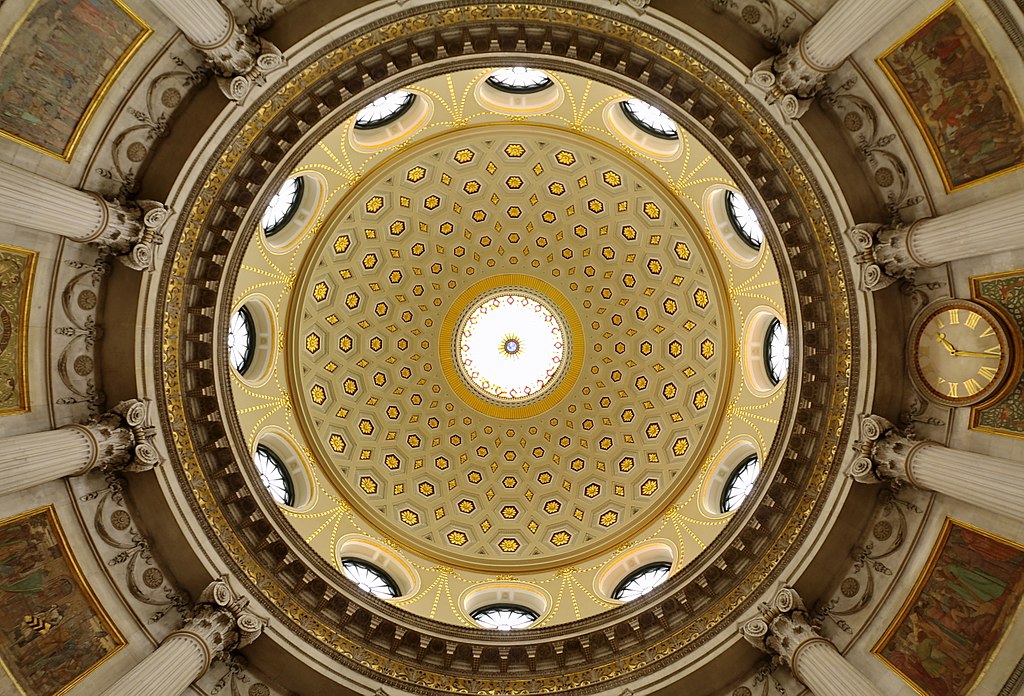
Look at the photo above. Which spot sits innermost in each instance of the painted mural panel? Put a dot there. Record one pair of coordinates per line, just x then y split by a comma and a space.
52, 632
960, 100
954, 618
1004, 291
56, 63
16, 269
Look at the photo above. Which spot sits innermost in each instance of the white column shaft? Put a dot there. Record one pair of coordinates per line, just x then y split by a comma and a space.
31, 200
167, 671
29, 460
844, 27
978, 230
205, 23
827, 673
988, 482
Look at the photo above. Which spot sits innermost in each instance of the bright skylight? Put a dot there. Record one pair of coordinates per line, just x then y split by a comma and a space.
511, 347
650, 118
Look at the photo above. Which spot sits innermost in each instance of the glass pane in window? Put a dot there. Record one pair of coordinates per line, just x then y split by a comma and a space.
519, 79
740, 483
384, 110
505, 617
241, 340
370, 578
282, 206
274, 476
649, 119
641, 581
744, 220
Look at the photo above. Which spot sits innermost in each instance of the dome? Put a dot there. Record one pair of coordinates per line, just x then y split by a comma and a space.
500, 349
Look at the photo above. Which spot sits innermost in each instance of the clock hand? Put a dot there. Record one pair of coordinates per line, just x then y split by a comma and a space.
974, 354
941, 338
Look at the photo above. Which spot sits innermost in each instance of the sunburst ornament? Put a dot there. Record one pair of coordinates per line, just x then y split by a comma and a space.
511, 346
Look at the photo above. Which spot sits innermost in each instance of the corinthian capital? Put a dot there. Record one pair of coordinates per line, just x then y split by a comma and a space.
789, 80
222, 620
782, 627
883, 451
131, 230
122, 439
242, 61
883, 254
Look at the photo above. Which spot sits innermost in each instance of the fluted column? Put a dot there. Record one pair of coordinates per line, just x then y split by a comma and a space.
888, 454
120, 440
794, 76
220, 623
784, 631
239, 59
128, 230
887, 253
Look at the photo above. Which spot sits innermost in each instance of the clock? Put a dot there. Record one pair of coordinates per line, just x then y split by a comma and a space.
959, 353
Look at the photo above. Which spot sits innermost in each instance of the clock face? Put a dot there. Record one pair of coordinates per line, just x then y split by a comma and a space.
961, 353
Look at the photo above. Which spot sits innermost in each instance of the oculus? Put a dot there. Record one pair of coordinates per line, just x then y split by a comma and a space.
641, 581
504, 617
384, 110
370, 578
241, 340
274, 475
744, 220
649, 119
511, 345
776, 351
959, 353
519, 80
740, 483
282, 206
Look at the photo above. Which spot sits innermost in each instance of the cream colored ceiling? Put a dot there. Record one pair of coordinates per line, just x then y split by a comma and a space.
400, 457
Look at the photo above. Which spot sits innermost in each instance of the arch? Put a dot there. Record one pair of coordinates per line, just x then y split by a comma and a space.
304, 493
620, 568
634, 136
392, 130
514, 594
724, 228
304, 215
518, 102
263, 318
732, 455
756, 367
366, 549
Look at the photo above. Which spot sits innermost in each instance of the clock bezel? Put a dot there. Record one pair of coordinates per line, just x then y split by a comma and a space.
1007, 358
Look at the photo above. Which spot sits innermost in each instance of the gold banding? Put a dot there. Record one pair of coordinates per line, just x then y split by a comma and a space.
548, 295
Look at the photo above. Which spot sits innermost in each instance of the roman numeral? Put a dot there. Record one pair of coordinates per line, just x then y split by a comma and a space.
972, 320
987, 373
988, 332
972, 387
954, 316
939, 322
994, 350
954, 389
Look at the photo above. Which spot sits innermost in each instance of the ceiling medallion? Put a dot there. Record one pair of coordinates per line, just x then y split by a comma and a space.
515, 348
513, 368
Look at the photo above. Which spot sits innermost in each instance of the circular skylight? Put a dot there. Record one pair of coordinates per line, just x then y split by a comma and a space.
241, 340
740, 483
384, 110
511, 346
519, 80
776, 351
274, 475
744, 220
505, 617
370, 578
282, 206
641, 581
649, 118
